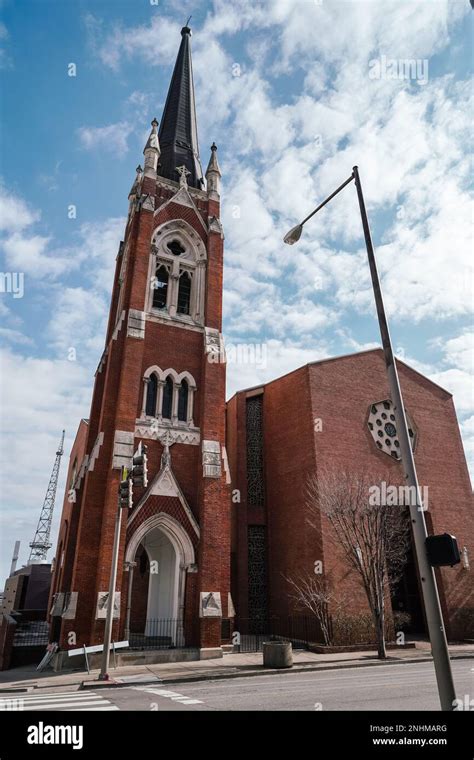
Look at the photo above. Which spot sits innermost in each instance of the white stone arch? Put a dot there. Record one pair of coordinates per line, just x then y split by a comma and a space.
172, 529
172, 372
188, 377
192, 260
184, 560
184, 233
153, 369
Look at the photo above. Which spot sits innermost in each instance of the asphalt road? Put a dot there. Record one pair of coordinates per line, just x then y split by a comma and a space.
383, 687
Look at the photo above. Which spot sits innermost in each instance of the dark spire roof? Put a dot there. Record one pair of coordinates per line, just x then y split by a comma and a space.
178, 128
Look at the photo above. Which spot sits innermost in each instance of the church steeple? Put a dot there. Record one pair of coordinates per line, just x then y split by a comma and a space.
178, 129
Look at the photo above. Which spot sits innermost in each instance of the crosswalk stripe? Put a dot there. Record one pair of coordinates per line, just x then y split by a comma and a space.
108, 707
47, 702
62, 705
61, 701
46, 697
64, 694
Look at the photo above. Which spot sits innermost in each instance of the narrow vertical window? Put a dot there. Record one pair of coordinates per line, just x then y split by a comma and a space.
151, 393
167, 399
184, 293
160, 291
183, 402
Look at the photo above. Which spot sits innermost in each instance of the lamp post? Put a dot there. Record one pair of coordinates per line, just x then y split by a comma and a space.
123, 501
104, 671
429, 589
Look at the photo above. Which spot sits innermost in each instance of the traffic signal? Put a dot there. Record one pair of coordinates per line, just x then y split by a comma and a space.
442, 550
126, 493
140, 467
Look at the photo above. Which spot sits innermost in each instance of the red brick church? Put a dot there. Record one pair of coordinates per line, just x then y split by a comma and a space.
194, 559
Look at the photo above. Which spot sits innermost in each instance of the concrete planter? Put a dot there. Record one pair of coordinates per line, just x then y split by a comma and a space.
277, 654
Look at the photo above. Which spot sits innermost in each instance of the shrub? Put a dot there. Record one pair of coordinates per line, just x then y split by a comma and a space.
356, 629
401, 621
462, 626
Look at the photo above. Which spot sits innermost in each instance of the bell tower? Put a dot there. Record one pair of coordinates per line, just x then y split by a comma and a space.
161, 381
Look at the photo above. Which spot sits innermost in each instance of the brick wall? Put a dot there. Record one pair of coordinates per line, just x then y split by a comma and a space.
339, 393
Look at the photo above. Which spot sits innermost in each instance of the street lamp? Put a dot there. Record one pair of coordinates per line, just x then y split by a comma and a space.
430, 595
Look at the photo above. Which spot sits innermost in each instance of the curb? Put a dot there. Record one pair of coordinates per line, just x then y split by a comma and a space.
297, 669
17, 689
112, 684
252, 671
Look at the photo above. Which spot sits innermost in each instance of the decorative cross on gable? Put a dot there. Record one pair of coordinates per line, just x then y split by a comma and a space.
166, 441
183, 174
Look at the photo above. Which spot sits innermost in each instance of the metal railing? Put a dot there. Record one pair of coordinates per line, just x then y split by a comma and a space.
249, 635
31, 633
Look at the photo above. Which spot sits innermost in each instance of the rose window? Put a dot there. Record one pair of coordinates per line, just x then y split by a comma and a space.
383, 428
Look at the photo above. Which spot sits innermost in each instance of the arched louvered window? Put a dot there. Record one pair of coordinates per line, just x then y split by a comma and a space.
184, 293
167, 399
151, 394
160, 291
183, 402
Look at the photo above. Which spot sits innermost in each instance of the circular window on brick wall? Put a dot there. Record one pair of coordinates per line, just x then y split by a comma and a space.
383, 428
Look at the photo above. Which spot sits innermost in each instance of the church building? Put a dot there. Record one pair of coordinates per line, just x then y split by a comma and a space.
194, 562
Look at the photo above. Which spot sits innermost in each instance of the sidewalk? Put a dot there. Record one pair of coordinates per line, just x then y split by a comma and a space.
229, 666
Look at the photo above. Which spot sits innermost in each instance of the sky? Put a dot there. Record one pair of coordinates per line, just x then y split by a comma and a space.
294, 94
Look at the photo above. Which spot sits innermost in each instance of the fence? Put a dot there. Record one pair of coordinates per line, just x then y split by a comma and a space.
249, 635
159, 634
31, 633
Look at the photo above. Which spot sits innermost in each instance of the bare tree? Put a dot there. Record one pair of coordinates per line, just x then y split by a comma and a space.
373, 536
315, 594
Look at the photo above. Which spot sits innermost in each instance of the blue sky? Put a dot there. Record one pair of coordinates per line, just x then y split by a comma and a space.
286, 91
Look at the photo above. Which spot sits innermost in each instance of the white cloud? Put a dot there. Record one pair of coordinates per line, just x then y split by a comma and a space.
97, 250
467, 432
460, 351
457, 378
279, 358
112, 138
5, 59
79, 323
154, 42
15, 336
93, 251
38, 397
32, 256
458, 383
15, 214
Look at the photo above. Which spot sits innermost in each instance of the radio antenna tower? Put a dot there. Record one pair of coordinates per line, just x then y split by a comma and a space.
41, 543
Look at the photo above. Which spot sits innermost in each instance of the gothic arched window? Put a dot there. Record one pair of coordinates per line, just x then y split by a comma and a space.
160, 291
183, 402
167, 399
151, 394
184, 294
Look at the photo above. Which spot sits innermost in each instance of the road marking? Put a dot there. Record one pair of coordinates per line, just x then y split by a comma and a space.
51, 695
336, 679
62, 701
173, 695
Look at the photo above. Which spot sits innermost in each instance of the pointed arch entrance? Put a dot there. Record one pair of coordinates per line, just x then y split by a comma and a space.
162, 551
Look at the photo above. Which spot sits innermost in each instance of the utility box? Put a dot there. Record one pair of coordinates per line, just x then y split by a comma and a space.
442, 550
